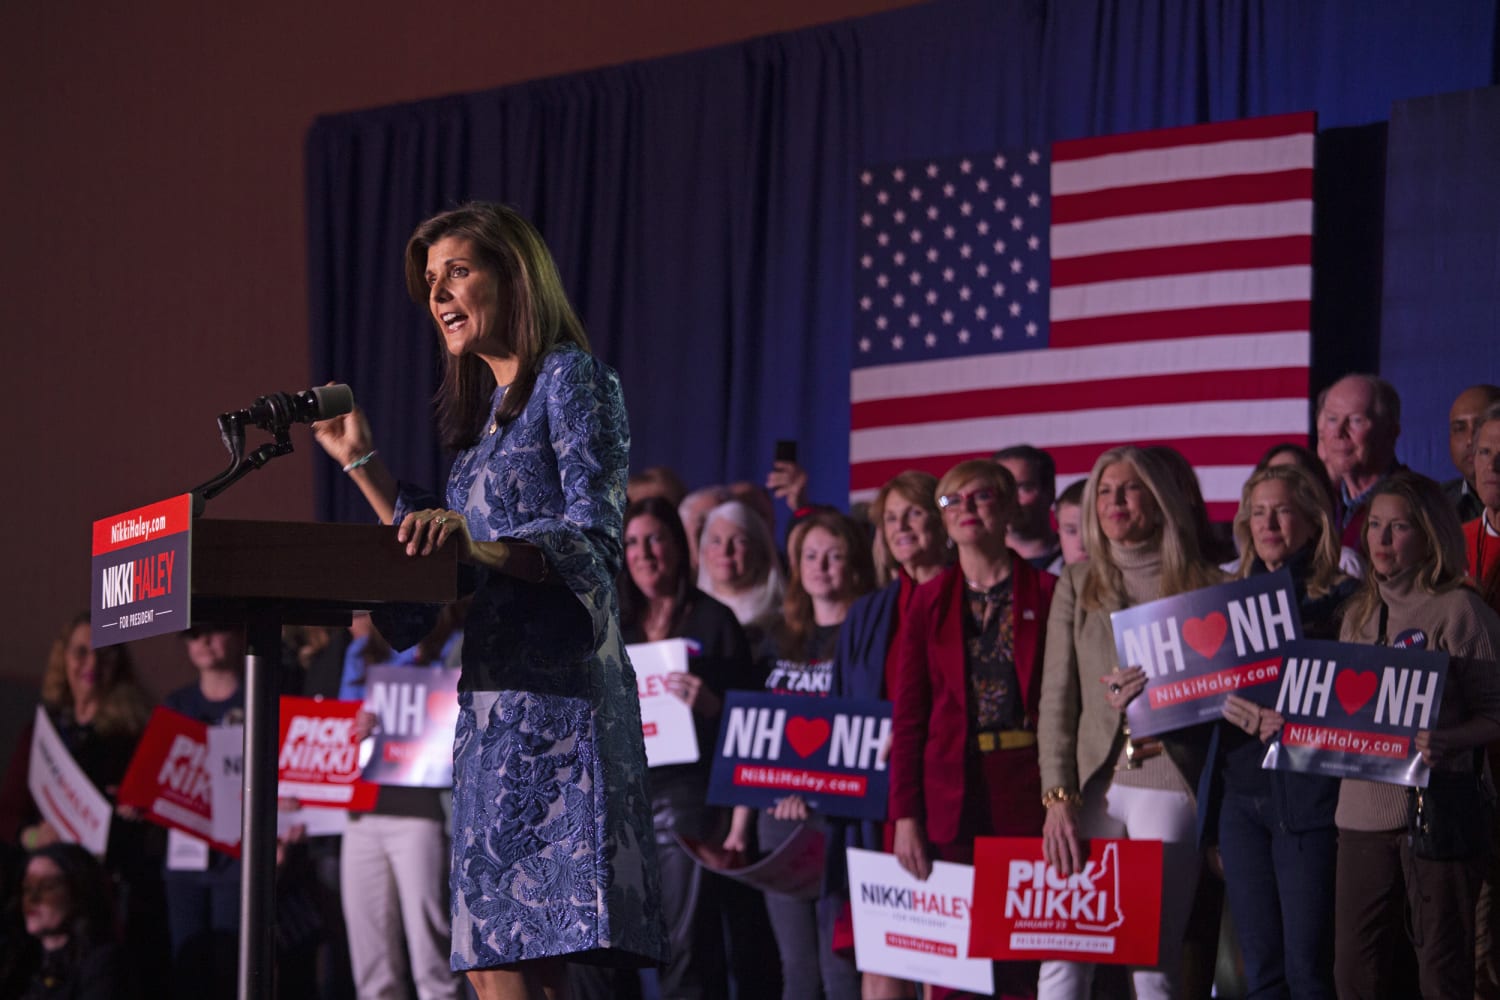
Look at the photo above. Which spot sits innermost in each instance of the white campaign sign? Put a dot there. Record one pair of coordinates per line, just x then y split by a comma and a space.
226, 766
915, 930
68, 800
666, 720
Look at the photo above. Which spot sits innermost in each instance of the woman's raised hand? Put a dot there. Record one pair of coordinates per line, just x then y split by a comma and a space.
1123, 685
345, 438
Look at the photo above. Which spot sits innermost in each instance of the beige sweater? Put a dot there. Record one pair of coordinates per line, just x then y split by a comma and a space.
1458, 623
1079, 734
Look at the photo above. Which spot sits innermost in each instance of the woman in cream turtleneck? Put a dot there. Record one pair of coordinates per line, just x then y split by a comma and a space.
1414, 595
1142, 545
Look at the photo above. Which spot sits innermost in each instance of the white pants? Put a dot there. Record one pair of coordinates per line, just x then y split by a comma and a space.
1140, 814
393, 873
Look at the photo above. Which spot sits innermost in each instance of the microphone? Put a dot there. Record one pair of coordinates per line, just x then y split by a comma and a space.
280, 410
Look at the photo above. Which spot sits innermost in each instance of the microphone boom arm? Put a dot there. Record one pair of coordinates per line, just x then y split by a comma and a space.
232, 433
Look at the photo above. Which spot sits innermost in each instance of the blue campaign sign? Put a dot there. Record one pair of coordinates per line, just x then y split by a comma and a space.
830, 751
1200, 647
1352, 711
142, 580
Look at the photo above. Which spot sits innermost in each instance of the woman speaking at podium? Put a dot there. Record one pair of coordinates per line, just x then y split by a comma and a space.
553, 857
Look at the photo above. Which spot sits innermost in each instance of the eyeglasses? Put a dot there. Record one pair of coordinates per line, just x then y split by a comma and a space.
984, 494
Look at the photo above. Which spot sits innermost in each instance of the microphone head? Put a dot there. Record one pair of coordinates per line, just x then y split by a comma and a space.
332, 400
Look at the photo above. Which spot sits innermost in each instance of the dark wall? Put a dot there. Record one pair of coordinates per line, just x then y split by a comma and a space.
153, 262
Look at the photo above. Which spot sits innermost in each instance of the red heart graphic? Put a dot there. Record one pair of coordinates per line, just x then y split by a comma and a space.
1355, 687
1206, 634
806, 735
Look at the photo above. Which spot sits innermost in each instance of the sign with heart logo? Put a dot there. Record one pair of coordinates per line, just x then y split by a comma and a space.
1353, 711
827, 750
1200, 647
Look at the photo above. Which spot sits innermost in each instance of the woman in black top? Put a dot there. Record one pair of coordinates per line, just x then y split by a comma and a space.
658, 601
1275, 830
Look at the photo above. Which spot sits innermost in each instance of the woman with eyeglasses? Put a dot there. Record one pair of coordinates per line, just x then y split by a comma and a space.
1142, 541
967, 680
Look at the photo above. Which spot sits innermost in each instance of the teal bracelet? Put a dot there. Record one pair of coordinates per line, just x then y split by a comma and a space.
361, 460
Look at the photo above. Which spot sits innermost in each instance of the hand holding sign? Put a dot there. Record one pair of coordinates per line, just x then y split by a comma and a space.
1242, 714
1123, 686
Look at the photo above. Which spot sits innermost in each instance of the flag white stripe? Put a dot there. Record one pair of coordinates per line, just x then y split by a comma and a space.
1182, 163
1218, 482
1189, 227
1242, 352
1185, 291
1046, 430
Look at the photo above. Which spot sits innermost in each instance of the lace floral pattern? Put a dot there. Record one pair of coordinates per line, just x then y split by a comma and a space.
552, 845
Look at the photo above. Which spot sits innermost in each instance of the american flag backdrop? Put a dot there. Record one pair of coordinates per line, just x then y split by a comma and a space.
1177, 311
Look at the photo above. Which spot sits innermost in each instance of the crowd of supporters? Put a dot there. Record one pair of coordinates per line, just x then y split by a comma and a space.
978, 603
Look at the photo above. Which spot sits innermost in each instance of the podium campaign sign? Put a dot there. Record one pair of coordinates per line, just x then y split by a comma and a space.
169, 780
1109, 913
318, 764
1353, 711
915, 930
666, 720
1200, 647
827, 750
66, 797
418, 710
141, 572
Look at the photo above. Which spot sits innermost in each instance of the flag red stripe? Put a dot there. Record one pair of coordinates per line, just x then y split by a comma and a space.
1221, 511
1174, 324
1182, 196
1236, 255
1269, 127
1080, 458
1061, 397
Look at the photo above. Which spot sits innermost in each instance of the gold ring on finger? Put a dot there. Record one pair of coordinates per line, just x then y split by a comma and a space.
440, 519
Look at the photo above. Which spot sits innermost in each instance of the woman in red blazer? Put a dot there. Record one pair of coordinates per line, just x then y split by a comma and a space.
969, 674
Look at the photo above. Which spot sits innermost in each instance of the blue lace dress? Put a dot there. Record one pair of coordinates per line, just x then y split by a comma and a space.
552, 844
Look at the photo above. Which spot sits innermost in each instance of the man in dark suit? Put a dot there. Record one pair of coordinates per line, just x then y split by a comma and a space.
1462, 417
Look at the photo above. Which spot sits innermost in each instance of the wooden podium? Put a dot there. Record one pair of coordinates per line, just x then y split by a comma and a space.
263, 575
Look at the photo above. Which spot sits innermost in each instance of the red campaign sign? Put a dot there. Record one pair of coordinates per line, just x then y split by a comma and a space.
168, 780
1109, 914
318, 760
144, 524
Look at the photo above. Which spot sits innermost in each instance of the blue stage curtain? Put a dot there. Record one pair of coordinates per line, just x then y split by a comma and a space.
701, 207
1442, 256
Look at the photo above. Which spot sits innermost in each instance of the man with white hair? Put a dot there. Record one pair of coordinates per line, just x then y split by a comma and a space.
1359, 419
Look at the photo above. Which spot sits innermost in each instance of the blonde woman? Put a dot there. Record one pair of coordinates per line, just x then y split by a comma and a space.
1275, 829
1389, 900
1142, 543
